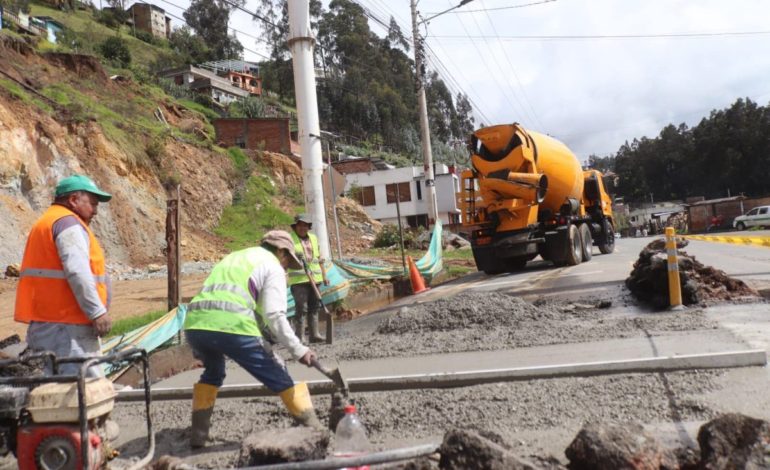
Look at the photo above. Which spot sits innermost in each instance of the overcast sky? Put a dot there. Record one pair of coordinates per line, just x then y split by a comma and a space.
543, 65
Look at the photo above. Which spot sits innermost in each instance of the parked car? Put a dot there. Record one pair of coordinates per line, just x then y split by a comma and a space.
756, 217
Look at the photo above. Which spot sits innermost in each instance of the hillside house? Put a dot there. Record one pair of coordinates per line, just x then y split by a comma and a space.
200, 80
49, 25
376, 189
272, 134
150, 18
242, 74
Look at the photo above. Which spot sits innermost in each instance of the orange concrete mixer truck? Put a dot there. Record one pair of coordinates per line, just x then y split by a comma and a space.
526, 194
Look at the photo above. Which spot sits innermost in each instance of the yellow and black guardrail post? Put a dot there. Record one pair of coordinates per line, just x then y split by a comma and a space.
674, 286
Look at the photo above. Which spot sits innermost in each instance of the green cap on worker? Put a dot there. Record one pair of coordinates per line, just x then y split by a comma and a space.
81, 183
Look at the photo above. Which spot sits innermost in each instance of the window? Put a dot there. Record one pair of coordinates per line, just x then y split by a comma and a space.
364, 196
403, 192
419, 190
763, 210
753, 212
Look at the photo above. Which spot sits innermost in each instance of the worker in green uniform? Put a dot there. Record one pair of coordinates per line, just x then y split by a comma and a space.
306, 302
241, 313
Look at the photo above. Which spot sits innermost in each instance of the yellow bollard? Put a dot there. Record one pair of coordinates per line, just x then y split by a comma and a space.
674, 288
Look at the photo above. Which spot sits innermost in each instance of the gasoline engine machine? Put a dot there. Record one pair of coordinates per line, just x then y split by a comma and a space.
57, 422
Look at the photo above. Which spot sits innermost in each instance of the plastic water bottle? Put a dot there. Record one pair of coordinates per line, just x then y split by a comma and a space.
350, 437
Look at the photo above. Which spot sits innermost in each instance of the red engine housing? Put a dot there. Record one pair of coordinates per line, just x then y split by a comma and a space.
29, 439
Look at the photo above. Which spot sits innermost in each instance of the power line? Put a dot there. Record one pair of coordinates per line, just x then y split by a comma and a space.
500, 8
515, 75
481, 55
609, 36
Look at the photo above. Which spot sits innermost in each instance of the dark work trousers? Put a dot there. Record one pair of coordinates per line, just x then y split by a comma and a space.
306, 306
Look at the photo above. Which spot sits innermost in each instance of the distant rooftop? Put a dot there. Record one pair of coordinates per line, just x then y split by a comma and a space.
231, 65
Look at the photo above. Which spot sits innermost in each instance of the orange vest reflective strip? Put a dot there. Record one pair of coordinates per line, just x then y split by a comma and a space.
43, 293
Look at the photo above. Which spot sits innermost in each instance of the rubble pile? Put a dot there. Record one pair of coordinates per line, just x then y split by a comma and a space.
701, 284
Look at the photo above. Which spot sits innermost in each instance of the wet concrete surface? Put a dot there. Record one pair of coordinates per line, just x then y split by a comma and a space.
536, 417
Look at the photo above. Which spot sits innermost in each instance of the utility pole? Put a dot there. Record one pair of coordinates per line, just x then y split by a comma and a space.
427, 154
302, 43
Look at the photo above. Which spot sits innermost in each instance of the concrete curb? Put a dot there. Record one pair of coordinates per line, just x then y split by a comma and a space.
720, 360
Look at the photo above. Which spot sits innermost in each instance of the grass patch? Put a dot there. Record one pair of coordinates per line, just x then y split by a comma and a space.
93, 33
125, 325
21, 94
209, 113
240, 160
252, 214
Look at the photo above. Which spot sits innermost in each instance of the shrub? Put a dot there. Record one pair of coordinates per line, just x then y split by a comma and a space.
388, 236
116, 50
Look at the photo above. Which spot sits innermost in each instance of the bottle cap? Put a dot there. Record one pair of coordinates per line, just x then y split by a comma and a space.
350, 409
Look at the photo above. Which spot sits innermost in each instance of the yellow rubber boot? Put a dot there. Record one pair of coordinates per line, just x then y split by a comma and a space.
297, 401
204, 396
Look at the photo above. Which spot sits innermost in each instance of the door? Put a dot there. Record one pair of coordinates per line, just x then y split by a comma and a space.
761, 218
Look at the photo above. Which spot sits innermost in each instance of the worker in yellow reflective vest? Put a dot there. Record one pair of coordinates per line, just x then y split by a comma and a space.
306, 303
240, 313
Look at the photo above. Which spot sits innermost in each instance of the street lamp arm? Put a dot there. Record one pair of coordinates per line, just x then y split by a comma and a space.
463, 2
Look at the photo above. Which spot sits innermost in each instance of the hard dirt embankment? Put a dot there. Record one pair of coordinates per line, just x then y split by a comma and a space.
535, 418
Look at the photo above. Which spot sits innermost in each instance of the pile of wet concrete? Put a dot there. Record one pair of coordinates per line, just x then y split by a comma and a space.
728, 441
700, 284
485, 321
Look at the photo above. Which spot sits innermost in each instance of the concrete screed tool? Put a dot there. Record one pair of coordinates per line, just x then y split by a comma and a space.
341, 396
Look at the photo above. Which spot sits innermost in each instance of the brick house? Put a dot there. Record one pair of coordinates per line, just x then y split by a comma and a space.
272, 134
150, 18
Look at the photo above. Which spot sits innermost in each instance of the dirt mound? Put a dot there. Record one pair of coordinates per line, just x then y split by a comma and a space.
84, 66
700, 284
475, 310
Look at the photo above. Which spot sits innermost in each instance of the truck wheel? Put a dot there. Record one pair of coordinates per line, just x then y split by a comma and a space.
554, 248
741, 226
574, 246
588, 242
607, 245
517, 264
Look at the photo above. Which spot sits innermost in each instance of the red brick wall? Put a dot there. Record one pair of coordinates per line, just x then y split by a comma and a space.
270, 134
700, 215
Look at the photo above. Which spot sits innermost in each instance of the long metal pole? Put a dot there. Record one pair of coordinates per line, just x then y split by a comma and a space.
427, 153
334, 200
302, 42
400, 228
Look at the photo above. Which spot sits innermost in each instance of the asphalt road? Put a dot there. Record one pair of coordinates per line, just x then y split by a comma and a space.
604, 272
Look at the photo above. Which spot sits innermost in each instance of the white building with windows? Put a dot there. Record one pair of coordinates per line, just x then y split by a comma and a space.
377, 190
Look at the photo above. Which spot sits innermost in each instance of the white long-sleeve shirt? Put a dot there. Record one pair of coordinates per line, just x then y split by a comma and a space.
267, 285
73, 245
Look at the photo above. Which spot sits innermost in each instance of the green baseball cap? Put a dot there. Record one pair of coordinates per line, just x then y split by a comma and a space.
81, 183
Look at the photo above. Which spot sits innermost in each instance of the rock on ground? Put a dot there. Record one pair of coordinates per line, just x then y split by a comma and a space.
617, 447
285, 445
468, 449
735, 441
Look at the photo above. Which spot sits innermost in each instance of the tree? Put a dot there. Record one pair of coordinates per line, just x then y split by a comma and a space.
190, 47
114, 49
209, 19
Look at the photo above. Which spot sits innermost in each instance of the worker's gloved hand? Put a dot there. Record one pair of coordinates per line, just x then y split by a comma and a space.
308, 358
102, 325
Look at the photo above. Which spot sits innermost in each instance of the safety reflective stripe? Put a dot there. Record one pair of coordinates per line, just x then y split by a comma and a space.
49, 273
54, 274
221, 305
237, 290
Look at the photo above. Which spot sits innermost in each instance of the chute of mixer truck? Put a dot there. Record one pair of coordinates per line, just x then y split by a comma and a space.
526, 194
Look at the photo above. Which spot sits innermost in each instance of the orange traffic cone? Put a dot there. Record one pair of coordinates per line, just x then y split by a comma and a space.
418, 283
